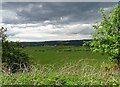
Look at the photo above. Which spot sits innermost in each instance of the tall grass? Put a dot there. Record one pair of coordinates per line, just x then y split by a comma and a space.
76, 73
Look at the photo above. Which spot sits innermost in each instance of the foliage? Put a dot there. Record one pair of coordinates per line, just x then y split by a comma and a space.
106, 38
13, 57
70, 74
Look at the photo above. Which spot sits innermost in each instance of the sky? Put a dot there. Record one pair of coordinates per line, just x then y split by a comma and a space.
49, 21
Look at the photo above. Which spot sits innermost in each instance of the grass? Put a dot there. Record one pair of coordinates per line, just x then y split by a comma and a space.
65, 65
63, 54
68, 74
60, 55
60, 79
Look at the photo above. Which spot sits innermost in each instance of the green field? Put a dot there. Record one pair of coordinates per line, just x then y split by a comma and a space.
60, 55
64, 65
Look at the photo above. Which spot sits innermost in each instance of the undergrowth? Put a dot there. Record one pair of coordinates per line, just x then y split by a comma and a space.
68, 74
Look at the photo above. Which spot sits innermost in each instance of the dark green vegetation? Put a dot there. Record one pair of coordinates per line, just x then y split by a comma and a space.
13, 57
55, 43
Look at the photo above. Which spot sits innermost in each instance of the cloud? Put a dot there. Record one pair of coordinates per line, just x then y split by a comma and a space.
34, 32
59, 12
41, 21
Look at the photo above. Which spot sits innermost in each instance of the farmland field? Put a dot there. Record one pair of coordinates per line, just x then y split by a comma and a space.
60, 55
64, 65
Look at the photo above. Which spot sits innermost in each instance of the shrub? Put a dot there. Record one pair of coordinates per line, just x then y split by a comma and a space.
106, 38
13, 57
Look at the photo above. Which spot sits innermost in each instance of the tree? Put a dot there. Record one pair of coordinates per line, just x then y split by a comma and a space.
106, 38
13, 57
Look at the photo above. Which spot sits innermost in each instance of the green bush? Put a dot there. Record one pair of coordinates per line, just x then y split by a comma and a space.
13, 57
106, 38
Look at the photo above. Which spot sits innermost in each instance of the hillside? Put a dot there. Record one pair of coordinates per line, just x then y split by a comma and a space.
55, 43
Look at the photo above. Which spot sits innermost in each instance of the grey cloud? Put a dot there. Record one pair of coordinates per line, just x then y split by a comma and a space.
51, 21
86, 31
83, 31
60, 1
35, 12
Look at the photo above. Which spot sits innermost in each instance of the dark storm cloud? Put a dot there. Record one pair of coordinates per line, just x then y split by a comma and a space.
44, 21
56, 13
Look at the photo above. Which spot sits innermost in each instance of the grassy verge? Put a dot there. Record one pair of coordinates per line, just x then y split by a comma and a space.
68, 74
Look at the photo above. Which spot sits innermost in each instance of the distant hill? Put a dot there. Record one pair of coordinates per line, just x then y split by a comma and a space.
55, 43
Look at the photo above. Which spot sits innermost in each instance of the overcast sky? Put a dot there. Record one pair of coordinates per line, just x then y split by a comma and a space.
45, 21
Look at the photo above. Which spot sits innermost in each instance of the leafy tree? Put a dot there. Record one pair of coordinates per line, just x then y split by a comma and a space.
106, 38
13, 57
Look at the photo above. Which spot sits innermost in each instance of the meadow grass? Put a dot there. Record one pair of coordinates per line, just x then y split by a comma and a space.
65, 65
61, 54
